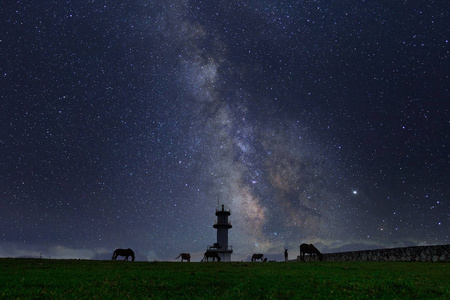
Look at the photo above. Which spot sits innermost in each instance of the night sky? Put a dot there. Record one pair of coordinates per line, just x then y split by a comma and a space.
123, 123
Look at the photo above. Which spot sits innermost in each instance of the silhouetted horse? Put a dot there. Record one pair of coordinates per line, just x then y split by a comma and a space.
259, 256
123, 252
184, 256
310, 249
212, 254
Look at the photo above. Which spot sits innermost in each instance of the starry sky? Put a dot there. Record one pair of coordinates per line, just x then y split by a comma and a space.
123, 123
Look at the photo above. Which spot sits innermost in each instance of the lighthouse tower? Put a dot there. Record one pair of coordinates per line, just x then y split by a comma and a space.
222, 225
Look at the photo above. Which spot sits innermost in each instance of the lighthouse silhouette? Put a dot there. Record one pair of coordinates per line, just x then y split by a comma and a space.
222, 225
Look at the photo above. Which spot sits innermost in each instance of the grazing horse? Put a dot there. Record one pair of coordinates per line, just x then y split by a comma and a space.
123, 252
184, 256
259, 256
212, 254
310, 249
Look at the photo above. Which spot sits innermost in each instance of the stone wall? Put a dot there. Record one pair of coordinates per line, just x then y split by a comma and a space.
439, 253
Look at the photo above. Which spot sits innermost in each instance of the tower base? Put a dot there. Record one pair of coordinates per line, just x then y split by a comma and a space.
225, 254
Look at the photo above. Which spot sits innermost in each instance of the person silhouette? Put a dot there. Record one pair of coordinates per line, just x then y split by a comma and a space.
285, 255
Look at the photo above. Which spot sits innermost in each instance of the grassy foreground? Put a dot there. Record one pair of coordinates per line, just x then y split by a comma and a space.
77, 279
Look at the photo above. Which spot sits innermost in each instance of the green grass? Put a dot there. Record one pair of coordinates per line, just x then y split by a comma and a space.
83, 279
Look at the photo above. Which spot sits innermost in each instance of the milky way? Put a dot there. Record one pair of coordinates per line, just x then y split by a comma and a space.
125, 124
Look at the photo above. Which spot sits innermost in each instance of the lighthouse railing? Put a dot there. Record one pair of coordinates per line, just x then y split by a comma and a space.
223, 208
217, 222
216, 248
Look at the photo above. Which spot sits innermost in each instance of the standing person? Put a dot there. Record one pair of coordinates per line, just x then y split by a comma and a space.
285, 255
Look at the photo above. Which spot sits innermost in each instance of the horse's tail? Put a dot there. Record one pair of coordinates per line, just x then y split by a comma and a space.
114, 255
177, 256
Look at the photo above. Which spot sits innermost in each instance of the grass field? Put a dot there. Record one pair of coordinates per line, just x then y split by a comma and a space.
84, 279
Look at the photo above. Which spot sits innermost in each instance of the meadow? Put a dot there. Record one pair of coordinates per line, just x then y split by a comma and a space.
85, 279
